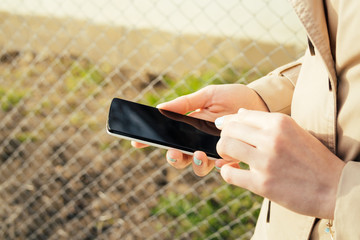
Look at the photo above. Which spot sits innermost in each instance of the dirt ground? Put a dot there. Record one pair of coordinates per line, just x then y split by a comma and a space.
61, 175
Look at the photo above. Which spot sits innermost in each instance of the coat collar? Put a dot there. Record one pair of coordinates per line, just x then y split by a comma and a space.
312, 15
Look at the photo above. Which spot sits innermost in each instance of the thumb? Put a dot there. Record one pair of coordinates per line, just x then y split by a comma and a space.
187, 103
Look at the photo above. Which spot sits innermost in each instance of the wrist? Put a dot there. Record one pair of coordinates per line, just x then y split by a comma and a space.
327, 200
259, 104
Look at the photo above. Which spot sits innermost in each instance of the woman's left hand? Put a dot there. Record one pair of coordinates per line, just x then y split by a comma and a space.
287, 164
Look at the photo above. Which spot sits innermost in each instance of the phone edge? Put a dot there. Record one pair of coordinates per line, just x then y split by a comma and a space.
150, 143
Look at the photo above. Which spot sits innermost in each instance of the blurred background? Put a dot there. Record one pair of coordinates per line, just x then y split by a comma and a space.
61, 63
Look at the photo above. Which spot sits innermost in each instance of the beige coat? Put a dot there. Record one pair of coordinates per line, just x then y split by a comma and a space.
323, 96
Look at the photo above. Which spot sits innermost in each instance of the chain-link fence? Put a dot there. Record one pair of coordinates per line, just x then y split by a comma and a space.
61, 63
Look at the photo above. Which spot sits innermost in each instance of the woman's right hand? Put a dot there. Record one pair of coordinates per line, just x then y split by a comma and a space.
208, 103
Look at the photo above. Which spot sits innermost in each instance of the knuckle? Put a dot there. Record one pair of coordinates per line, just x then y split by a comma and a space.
225, 131
210, 88
226, 175
281, 121
222, 146
228, 128
228, 179
277, 139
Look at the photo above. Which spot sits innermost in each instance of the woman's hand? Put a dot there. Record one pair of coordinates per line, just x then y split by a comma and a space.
209, 103
287, 164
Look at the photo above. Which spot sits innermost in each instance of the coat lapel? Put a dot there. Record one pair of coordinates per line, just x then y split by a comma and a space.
312, 15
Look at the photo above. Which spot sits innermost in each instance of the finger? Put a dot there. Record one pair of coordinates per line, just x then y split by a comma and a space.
177, 159
253, 118
138, 145
188, 103
243, 132
201, 164
221, 162
235, 150
222, 121
205, 114
232, 174
258, 119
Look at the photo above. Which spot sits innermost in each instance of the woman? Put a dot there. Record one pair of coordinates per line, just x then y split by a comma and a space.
300, 134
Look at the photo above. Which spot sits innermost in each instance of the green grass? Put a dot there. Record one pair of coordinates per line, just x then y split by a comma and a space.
227, 205
225, 213
11, 97
83, 75
24, 136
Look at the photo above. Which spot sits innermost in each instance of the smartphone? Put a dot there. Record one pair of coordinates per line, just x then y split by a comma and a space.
161, 128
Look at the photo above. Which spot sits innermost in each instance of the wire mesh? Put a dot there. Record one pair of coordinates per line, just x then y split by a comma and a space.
61, 63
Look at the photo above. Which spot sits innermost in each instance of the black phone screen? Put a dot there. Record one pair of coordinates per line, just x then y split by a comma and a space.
172, 130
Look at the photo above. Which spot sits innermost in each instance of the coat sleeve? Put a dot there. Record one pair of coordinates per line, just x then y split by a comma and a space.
347, 208
276, 88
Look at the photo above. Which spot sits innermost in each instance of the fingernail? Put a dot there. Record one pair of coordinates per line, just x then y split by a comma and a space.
171, 159
241, 110
197, 161
160, 105
219, 121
